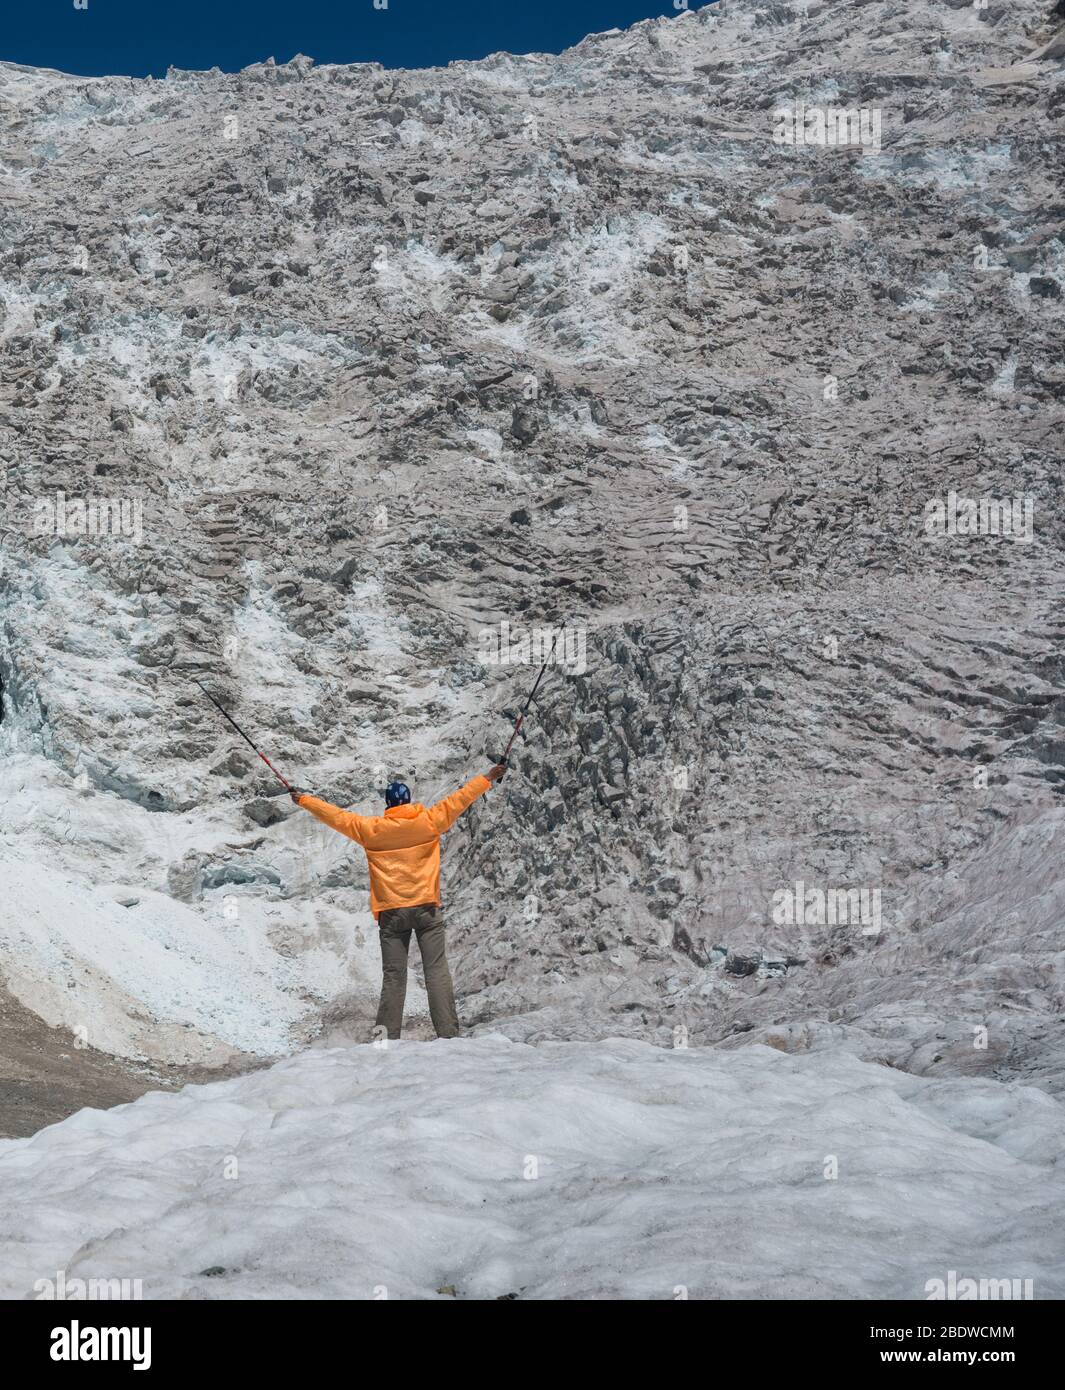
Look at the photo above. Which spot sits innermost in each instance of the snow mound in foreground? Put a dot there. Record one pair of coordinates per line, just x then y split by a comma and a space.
564, 1170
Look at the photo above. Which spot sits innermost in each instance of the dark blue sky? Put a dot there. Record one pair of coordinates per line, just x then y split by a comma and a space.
146, 36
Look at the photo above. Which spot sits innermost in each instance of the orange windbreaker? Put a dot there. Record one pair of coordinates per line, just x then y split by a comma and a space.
403, 845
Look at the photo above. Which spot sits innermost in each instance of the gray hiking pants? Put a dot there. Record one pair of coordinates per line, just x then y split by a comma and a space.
396, 925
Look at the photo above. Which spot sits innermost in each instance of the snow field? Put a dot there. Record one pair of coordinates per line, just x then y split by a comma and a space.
566, 1170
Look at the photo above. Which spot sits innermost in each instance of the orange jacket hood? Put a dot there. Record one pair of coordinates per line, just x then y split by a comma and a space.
402, 846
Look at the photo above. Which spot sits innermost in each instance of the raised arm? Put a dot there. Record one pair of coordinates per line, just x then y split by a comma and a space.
445, 813
346, 822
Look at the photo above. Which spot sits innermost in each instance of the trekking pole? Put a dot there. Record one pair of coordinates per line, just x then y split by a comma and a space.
502, 762
244, 736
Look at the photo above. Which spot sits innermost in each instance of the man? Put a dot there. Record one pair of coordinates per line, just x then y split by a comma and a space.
403, 850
